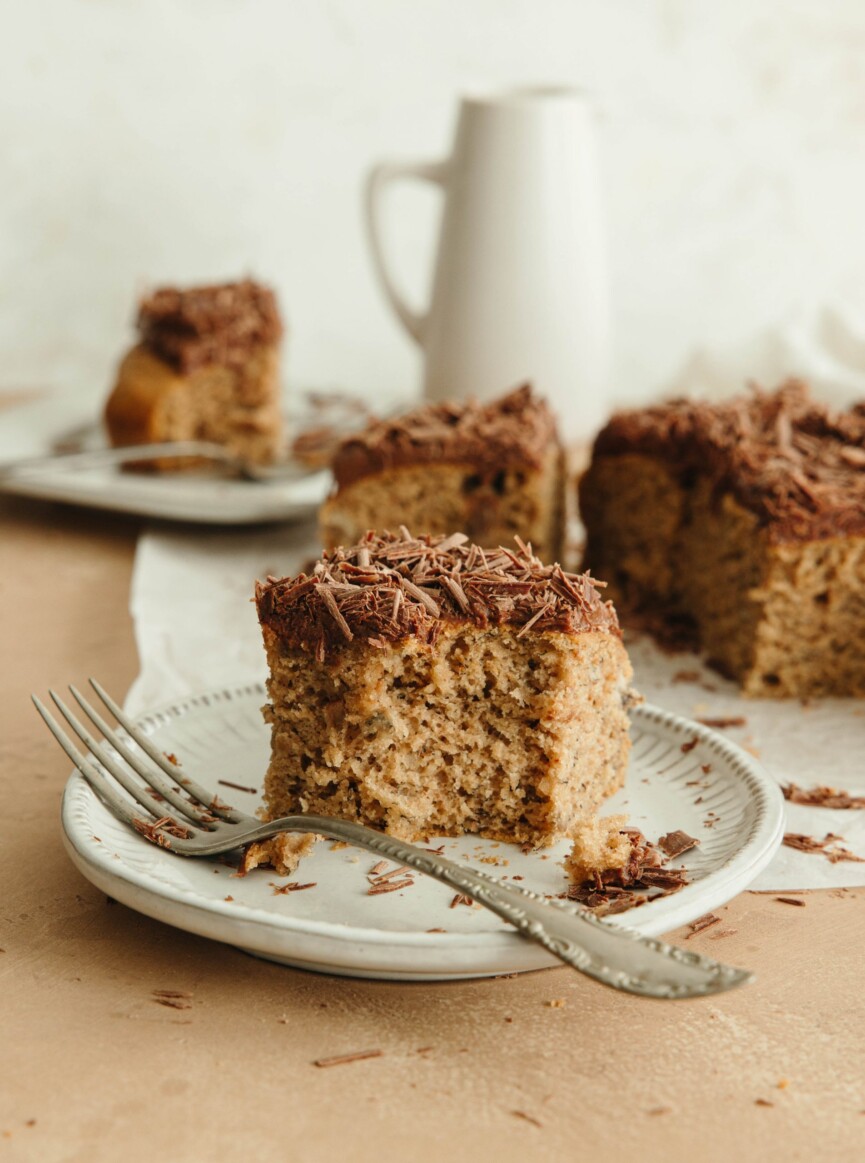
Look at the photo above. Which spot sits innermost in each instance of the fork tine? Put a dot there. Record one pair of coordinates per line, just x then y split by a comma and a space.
113, 800
153, 778
117, 770
204, 797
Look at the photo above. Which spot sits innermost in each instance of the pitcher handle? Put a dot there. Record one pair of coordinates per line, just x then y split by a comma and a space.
379, 177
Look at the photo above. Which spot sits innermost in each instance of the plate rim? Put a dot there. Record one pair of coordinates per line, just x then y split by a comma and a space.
731, 877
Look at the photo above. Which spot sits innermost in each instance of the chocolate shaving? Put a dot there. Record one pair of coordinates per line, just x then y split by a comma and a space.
822, 797
175, 999
676, 843
237, 786
644, 877
722, 724
790, 900
527, 1118
343, 1059
292, 886
686, 747
461, 899
829, 847
158, 831
702, 923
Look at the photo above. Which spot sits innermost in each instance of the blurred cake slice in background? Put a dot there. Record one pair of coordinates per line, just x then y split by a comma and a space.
741, 527
491, 471
206, 367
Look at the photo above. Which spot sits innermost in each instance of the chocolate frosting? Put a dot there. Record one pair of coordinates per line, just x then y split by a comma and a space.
208, 325
795, 463
391, 587
512, 432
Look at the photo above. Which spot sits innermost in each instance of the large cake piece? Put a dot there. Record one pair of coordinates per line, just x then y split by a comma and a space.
206, 367
429, 687
740, 526
493, 471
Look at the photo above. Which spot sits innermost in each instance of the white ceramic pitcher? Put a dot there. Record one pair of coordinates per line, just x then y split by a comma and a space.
520, 290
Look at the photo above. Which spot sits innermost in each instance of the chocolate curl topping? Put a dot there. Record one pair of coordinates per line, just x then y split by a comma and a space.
795, 463
391, 587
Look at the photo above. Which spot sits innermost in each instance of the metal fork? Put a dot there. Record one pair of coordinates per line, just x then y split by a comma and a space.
283, 470
172, 810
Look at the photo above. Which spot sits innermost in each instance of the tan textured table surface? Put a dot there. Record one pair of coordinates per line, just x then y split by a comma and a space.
91, 1067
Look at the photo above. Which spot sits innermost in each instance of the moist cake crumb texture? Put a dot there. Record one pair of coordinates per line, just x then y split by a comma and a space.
491, 470
427, 686
740, 527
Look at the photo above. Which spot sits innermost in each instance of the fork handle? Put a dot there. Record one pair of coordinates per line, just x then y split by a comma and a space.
608, 953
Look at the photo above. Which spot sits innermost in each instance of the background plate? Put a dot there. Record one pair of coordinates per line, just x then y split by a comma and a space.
336, 927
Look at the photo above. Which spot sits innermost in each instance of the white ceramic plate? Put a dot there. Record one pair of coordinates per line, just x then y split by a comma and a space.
203, 499
40, 427
735, 810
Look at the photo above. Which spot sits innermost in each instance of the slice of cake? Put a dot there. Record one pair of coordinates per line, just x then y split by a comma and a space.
429, 687
206, 367
493, 471
743, 525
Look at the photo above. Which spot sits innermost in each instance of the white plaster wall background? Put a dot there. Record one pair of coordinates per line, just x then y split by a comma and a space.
197, 139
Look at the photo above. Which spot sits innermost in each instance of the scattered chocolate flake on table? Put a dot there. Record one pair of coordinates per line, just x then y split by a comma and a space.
343, 1059
705, 768
291, 886
676, 844
528, 1118
228, 898
686, 676
172, 758
701, 924
723, 723
790, 900
436, 930
686, 747
829, 846
821, 797
763, 1102
175, 999
238, 786
436, 851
